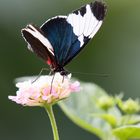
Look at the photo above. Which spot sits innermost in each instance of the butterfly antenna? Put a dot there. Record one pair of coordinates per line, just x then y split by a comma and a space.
42, 70
93, 74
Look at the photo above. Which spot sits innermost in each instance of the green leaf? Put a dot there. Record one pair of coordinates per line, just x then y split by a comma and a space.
135, 119
129, 132
130, 119
81, 107
111, 119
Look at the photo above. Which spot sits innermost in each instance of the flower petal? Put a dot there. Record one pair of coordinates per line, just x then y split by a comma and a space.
44, 91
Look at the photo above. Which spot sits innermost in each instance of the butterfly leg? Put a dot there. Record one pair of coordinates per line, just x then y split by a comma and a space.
52, 83
63, 79
43, 69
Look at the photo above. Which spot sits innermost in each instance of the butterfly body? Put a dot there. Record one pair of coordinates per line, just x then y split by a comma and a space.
61, 38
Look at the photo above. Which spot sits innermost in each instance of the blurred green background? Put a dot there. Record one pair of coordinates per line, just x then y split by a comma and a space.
115, 50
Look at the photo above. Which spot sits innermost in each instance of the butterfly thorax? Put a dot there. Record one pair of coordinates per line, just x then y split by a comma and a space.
61, 70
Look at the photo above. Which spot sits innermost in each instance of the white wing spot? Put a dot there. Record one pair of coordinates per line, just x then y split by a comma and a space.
84, 26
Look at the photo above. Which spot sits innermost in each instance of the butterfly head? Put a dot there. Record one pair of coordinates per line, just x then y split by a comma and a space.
61, 70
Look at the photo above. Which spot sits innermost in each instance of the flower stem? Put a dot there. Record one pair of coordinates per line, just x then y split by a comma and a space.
49, 110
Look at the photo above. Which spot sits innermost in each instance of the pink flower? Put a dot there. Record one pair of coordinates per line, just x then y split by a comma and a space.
42, 91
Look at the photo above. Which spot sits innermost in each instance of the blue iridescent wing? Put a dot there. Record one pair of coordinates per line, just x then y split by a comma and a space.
62, 38
69, 34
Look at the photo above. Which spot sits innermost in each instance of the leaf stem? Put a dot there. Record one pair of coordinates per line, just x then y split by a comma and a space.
49, 110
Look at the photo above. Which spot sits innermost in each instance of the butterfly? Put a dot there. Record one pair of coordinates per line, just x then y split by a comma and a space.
61, 38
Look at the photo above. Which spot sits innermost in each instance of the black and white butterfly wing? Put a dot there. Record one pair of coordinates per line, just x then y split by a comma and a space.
69, 34
86, 21
39, 44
